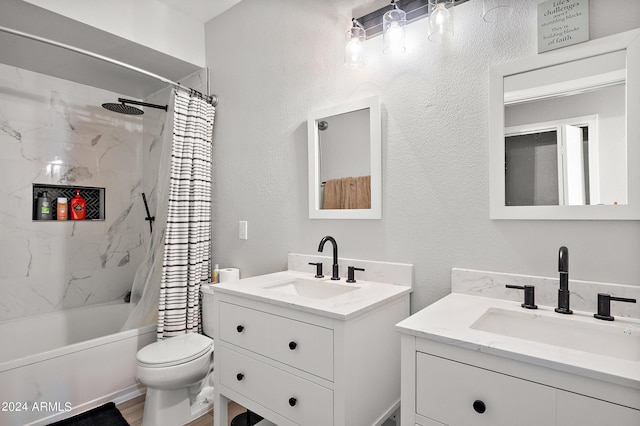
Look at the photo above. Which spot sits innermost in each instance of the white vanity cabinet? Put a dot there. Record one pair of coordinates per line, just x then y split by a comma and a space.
448, 385
296, 367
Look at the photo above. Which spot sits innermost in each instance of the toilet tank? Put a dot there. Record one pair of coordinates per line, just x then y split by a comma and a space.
208, 314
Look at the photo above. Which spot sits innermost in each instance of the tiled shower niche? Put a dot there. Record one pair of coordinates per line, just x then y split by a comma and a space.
95, 198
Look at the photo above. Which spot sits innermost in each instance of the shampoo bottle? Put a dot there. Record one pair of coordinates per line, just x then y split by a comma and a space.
44, 211
78, 207
61, 208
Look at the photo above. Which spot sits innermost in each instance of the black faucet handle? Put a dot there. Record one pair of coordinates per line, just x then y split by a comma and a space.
318, 266
351, 273
604, 305
529, 295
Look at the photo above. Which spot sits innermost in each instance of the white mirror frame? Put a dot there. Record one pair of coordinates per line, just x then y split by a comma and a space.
375, 132
629, 41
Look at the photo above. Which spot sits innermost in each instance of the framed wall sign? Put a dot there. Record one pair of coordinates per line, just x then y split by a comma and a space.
562, 23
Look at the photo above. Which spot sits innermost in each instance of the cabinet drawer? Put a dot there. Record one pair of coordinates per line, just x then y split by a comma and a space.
454, 394
301, 345
243, 327
579, 410
299, 400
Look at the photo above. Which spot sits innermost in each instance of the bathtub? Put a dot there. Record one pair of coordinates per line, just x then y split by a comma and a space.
60, 364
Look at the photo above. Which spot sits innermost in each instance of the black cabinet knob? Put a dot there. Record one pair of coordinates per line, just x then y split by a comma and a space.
293, 345
479, 406
240, 328
292, 402
239, 376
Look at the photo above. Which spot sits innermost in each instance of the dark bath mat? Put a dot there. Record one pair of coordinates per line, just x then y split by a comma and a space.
105, 415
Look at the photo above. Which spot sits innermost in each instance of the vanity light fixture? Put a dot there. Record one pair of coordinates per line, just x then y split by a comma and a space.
354, 46
393, 23
440, 19
391, 19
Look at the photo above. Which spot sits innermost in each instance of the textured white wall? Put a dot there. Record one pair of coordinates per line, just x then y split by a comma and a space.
272, 61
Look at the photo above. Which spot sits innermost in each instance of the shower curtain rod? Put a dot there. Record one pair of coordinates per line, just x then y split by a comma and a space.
214, 98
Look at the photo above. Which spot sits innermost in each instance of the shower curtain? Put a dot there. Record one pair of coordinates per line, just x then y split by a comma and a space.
187, 245
167, 284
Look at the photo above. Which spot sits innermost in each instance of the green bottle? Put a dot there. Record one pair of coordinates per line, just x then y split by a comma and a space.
44, 208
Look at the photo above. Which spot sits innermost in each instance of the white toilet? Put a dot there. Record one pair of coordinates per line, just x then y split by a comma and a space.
176, 372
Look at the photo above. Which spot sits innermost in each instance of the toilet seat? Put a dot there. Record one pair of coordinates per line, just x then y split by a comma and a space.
174, 350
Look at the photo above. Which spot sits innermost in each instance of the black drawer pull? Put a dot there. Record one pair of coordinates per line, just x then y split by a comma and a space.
479, 406
292, 402
293, 345
240, 328
239, 376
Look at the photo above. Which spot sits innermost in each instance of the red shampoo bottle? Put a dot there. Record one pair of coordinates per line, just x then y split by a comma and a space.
78, 207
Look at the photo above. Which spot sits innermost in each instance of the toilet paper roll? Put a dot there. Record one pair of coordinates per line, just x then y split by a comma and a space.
229, 274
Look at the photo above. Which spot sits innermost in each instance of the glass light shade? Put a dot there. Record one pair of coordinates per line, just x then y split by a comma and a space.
496, 10
354, 48
393, 23
440, 19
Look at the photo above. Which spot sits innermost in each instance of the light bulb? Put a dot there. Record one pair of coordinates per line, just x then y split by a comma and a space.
354, 48
440, 18
395, 34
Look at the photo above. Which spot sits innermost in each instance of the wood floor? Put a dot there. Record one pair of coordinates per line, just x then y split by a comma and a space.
132, 412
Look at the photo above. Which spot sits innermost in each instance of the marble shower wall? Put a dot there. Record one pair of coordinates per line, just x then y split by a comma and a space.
54, 131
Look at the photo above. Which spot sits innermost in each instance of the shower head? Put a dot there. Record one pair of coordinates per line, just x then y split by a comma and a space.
123, 108
323, 125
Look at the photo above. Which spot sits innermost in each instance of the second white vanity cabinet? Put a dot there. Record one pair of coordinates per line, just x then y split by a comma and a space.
444, 386
308, 365
454, 375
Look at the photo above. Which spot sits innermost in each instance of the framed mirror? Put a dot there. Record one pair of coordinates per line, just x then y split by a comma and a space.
564, 133
345, 165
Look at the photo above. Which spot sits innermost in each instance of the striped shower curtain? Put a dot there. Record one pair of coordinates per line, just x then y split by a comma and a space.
187, 246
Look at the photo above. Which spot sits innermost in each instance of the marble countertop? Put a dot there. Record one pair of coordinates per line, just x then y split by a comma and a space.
367, 296
450, 321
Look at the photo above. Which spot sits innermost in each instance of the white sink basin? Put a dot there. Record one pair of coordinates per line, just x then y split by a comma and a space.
319, 290
614, 339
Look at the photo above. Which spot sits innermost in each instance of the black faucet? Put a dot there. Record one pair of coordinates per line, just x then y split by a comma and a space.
529, 295
604, 305
563, 291
351, 273
334, 276
318, 266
